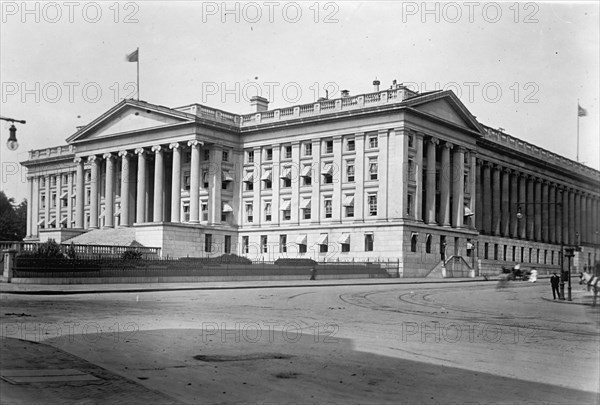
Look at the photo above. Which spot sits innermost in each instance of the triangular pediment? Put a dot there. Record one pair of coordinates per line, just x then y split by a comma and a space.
129, 116
447, 107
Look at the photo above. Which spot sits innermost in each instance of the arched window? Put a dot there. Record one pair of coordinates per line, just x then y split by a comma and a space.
413, 242
428, 244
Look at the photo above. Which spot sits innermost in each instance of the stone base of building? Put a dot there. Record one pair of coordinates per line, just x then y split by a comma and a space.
59, 235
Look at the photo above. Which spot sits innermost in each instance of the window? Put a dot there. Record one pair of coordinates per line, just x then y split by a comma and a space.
349, 211
269, 154
328, 207
467, 188
514, 253
186, 212
369, 242
413, 242
305, 206
225, 156
245, 244
224, 185
53, 205
88, 196
187, 156
350, 145
306, 174
249, 186
282, 243
411, 141
65, 178
267, 211
250, 156
410, 172
207, 154
268, 184
43, 179
495, 251
328, 146
372, 202
186, 180
43, 200
409, 204
286, 177
204, 179
327, 172
227, 247
323, 248
204, 209
373, 169
263, 243
249, 212
345, 247
53, 180
308, 149
286, 210
504, 252
428, 243
373, 142
88, 177
208, 242
350, 171
348, 205
302, 248
287, 152
64, 202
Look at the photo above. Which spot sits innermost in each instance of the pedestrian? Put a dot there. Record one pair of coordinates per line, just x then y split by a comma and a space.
313, 273
533, 276
555, 281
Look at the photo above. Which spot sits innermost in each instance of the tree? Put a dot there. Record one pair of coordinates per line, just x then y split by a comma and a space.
13, 219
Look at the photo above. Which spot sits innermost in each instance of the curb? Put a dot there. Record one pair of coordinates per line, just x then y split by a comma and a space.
567, 302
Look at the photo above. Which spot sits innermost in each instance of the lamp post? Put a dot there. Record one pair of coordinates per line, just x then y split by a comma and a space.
562, 245
12, 143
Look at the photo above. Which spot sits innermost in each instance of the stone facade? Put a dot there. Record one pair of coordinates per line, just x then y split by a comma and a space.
391, 174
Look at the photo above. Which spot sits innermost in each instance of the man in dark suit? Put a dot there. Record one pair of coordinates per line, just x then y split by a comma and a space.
555, 281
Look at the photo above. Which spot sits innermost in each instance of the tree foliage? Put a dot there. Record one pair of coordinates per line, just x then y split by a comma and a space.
13, 219
49, 249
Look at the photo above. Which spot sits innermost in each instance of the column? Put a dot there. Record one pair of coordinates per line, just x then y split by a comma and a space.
565, 215
80, 194
445, 185
195, 182
109, 201
418, 170
316, 180
577, 214
29, 206
58, 207
572, 224
95, 179
296, 171
523, 207
505, 216
338, 171
530, 208
430, 182
487, 198
552, 210
159, 174
140, 202
48, 199
35, 207
215, 181
124, 188
257, 204
496, 201
596, 227
473, 202
514, 204
458, 187
398, 147
70, 186
538, 210
176, 183
588, 221
545, 208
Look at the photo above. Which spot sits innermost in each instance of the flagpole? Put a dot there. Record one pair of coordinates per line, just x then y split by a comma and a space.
577, 130
138, 84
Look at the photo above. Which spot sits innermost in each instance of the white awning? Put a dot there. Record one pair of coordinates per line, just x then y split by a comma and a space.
101, 214
348, 201
322, 239
286, 173
249, 178
41, 222
345, 239
327, 168
227, 207
301, 239
74, 194
305, 171
285, 206
267, 175
226, 176
305, 204
52, 221
469, 245
468, 212
117, 212
64, 195
64, 220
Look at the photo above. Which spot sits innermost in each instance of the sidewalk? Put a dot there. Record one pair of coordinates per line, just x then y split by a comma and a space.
64, 289
39, 373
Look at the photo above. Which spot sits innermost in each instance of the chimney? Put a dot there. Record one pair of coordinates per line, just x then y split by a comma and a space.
259, 104
345, 93
376, 84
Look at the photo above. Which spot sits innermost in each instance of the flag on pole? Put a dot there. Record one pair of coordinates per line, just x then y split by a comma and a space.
581, 112
133, 56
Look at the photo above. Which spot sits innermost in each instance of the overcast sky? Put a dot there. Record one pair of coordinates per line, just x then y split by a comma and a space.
519, 66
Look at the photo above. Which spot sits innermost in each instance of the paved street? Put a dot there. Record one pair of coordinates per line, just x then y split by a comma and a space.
426, 343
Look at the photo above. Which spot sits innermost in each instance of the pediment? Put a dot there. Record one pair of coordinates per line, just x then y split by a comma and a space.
128, 117
446, 106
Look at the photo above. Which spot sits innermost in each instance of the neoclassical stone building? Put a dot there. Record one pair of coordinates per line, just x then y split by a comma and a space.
389, 174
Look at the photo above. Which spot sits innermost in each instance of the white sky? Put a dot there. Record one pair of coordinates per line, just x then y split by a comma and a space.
541, 57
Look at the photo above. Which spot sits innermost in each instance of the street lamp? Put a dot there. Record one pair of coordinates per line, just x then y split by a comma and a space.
12, 142
561, 255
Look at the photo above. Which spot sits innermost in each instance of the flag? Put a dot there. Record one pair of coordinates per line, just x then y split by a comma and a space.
581, 112
133, 56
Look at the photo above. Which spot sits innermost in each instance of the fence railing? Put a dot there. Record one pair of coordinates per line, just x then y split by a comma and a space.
84, 251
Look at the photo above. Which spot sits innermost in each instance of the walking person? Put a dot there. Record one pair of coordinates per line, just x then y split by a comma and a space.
533, 276
313, 273
555, 281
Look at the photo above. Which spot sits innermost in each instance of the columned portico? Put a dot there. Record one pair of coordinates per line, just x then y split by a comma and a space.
157, 210
430, 181
195, 182
458, 189
445, 185
95, 179
176, 182
80, 196
124, 155
109, 202
140, 214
